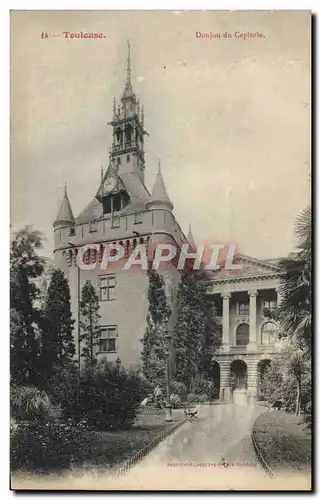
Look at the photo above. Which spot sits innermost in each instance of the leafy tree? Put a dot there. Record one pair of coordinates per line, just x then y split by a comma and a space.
286, 379
89, 322
153, 353
25, 267
295, 312
196, 333
58, 346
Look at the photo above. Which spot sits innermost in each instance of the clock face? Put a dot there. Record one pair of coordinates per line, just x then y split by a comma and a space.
110, 184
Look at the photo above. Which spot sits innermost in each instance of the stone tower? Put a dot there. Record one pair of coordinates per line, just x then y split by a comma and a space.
122, 211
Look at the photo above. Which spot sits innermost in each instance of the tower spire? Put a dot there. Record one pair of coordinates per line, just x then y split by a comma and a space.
128, 64
128, 91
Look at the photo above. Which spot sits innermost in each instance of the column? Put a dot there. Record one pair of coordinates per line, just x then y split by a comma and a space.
253, 313
226, 319
225, 389
278, 297
252, 380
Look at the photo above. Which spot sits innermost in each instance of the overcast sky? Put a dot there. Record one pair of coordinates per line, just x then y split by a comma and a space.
229, 118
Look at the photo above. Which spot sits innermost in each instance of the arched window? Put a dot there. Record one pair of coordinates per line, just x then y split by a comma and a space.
242, 334
268, 333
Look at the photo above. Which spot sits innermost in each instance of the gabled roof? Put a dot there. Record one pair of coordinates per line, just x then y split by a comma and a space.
250, 267
159, 194
65, 214
136, 191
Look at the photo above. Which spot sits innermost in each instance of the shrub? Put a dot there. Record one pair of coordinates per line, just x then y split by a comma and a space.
29, 404
44, 447
192, 398
203, 386
105, 398
178, 388
175, 400
202, 398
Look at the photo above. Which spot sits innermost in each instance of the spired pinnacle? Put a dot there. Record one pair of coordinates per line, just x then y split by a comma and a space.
159, 197
65, 215
128, 64
128, 91
190, 237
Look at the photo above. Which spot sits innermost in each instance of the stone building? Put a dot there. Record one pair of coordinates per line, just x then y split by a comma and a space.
123, 211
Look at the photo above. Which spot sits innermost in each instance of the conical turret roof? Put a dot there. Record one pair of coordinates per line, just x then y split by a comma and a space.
159, 195
65, 214
190, 237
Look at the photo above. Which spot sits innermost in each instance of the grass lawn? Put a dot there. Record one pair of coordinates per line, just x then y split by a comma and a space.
283, 440
108, 450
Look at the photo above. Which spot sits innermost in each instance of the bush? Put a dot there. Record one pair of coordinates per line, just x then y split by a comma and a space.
203, 386
105, 398
44, 447
178, 388
29, 404
202, 398
175, 400
192, 398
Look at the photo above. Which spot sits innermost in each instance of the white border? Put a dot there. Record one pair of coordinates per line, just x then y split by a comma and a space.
314, 6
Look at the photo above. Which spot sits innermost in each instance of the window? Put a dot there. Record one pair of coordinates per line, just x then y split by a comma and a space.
243, 308
107, 287
242, 334
138, 218
118, 161
269, 304
128, 158
93, 226
115, 222
117, 203
268, 333
107, 341
72, 231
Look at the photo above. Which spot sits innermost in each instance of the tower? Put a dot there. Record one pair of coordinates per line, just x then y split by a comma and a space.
127, 150
122, 211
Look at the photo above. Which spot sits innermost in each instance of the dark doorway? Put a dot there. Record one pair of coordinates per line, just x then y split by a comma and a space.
239, 374
215, 377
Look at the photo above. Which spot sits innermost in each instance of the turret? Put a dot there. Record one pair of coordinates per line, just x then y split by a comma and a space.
65, 216
159, 197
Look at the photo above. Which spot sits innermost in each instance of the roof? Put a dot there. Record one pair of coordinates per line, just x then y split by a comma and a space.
65, 213
159, 194
136, 190
250, 267
190, 237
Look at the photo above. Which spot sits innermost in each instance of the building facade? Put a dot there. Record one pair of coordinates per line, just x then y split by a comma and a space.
123, 211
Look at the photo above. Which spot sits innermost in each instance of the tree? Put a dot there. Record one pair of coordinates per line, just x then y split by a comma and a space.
153, 353
297, 367
286, 379
196, 333
90, 320
58, 346
25, 267
295, 312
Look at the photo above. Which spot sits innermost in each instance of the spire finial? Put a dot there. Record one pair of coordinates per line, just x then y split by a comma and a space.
159, 166
101, 171
189, 227
65, 189
142, 116
114, 107
128, 63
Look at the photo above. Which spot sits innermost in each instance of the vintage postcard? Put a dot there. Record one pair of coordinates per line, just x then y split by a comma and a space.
160, 258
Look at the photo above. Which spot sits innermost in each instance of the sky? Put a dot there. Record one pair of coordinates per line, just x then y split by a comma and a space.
228, 117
